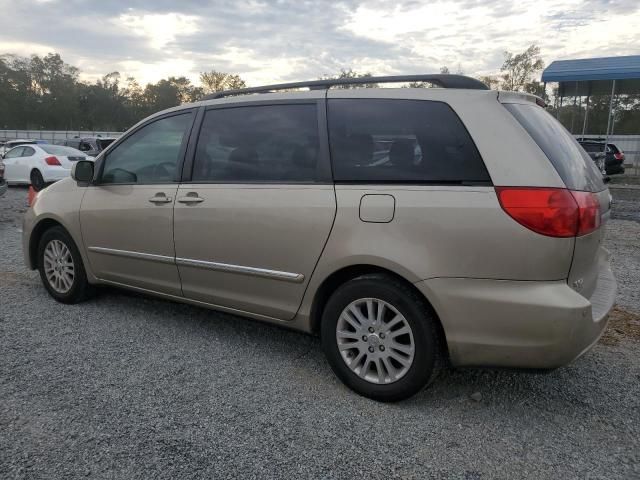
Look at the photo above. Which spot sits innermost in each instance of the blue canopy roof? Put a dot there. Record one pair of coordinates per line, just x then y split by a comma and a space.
606, 68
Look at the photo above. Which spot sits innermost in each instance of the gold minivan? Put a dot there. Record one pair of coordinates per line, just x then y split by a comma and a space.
409, 227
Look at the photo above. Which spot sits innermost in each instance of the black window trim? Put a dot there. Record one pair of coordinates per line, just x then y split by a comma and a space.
325, 177
100, 162
426, 183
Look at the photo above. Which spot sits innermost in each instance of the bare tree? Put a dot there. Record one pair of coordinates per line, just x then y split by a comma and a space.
519, 70
350, 73
214, 81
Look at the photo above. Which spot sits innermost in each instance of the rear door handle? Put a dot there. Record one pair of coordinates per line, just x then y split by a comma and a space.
160, 198
191, 197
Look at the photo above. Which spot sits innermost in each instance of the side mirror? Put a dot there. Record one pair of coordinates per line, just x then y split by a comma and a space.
82, 172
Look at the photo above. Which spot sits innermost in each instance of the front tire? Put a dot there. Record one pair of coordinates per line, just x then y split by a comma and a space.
37, 181
61, 269
381, 338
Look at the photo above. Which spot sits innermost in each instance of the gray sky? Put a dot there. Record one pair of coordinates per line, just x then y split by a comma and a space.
271, 41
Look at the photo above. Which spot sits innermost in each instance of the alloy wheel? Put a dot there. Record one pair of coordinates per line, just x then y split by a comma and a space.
375, 340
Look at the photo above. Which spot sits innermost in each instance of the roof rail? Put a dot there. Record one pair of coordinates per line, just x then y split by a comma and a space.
442, 80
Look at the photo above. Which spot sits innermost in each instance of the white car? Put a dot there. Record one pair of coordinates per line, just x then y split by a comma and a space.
40, 164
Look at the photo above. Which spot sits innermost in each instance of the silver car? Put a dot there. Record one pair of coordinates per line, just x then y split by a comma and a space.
410, 228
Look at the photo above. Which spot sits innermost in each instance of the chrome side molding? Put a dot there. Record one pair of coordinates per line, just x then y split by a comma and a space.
226, 267
188, 262
139, 255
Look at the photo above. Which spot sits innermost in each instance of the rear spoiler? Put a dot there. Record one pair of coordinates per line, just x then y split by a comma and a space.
520, 97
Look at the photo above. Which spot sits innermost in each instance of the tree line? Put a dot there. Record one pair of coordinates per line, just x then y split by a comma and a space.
44, 92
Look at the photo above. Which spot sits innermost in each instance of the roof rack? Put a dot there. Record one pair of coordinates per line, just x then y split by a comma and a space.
442, 80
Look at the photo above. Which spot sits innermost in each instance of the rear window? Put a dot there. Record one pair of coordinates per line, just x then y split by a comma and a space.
571, 161
592, 147
103, 143
412, 141
61, 150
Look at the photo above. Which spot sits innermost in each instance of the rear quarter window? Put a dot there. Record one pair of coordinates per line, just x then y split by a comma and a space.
571, 161
401, 141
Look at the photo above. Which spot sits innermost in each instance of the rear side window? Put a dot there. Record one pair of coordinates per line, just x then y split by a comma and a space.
571, 161
263, 143
413, 141
592, 147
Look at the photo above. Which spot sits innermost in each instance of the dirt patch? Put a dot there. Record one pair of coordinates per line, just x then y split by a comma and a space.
622, 324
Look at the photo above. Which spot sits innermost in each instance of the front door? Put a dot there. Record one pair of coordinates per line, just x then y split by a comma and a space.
12, 165
251, 224
127, 216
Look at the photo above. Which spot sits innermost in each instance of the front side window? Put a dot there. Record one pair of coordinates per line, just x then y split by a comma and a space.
150, 155
415, 141
265, 143
14, 152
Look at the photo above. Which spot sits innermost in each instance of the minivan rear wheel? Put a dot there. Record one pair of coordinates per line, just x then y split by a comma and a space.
380, 338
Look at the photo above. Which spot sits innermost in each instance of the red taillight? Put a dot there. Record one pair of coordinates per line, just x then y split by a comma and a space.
555, 212
618, 156
52, 160
588, 212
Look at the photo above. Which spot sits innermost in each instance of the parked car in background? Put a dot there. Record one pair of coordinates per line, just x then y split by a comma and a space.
3, 182
40, 164
614, 159
9, 144
91, 146
387, 220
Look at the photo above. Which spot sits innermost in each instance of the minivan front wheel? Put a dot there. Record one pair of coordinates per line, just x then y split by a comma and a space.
61, 269
380, 338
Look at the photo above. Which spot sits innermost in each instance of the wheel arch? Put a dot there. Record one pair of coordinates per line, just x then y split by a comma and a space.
36, 234
344, 274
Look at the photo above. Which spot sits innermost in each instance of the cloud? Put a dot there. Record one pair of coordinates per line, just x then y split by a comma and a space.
272, 41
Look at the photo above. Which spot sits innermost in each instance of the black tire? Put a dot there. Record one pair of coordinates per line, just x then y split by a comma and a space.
80, 288
37, 182
428, 352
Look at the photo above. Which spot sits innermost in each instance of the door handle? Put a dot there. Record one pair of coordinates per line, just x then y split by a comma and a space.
160, 198
191, 197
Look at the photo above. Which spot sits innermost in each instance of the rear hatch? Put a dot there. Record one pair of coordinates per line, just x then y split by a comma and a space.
65, 156
581, 177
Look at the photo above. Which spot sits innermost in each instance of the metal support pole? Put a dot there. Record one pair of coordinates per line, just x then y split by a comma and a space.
606, 137
575, 104
609, 118
586, 110
559, 108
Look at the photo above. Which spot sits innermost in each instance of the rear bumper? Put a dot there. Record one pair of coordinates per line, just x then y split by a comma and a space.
523, 324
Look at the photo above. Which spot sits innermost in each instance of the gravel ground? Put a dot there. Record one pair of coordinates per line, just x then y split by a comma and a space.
131, 387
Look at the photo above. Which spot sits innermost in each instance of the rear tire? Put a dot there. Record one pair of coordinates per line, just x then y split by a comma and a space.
402, 351
37, 181
61, 269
